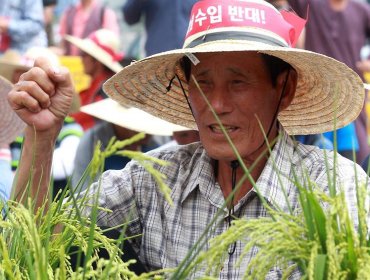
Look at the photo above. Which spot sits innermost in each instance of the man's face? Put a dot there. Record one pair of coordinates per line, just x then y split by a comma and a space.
239, 88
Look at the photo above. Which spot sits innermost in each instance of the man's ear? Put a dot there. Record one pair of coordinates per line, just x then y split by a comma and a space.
289, 78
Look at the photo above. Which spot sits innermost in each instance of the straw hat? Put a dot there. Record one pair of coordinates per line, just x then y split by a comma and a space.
130, 118
103, 45
9, 62
10, 124
327, 90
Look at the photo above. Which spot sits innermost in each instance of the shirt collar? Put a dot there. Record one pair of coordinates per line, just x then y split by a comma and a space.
274, 176
203, 177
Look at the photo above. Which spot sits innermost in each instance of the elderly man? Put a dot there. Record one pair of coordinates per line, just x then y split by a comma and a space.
238, 59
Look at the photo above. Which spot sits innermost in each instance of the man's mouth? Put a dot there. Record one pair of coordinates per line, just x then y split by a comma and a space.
217, 128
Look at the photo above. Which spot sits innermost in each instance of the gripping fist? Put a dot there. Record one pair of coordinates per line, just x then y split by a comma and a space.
43, 96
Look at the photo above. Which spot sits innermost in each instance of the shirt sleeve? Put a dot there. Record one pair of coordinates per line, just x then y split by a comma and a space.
30, 23
115, 191
132, 10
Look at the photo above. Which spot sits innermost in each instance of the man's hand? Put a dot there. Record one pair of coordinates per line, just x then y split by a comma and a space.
43, 96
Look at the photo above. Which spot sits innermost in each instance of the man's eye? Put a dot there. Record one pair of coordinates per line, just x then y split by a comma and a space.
237, 82
204, 82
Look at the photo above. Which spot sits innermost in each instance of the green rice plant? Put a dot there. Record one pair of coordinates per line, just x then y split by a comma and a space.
39, 244
30, 249
285, 240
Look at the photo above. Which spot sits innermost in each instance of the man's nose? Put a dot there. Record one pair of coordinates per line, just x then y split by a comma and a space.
220, 100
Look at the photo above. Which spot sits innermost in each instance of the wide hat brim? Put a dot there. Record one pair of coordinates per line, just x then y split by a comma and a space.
89, 47
7, 69
329, 94
11, 125
130, 118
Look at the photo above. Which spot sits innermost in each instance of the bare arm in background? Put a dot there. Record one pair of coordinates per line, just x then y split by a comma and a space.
41, 98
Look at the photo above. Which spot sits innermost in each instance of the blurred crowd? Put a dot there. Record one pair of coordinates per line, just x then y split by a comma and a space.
87, 37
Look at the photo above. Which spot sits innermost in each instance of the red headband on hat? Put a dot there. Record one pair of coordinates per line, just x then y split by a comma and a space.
215, 14
115, 56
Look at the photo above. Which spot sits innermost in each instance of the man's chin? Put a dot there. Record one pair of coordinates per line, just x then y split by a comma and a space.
225, 154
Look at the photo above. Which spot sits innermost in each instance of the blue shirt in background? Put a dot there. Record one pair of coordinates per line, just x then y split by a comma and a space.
166, 22
26, 23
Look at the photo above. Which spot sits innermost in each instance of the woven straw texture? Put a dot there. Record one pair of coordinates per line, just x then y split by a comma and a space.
10, 124
329, 94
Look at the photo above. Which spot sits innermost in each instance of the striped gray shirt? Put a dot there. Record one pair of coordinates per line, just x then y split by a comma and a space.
168, 232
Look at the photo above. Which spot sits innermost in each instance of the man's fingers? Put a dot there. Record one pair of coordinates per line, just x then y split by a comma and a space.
56, 73
23, 100
42, 96
33, 89
62, 77
40, 77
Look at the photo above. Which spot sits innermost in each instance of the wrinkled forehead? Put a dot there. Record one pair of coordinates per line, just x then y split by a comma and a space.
229, 64
192, 63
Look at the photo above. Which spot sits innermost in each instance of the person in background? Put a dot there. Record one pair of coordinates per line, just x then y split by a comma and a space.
262, 89
10, 126
21, 25
84, 18
62, 6
184, 137
122, 123
59, 10
166, 22
181, 137
100, 58
280, 4
339, 29
49, 6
